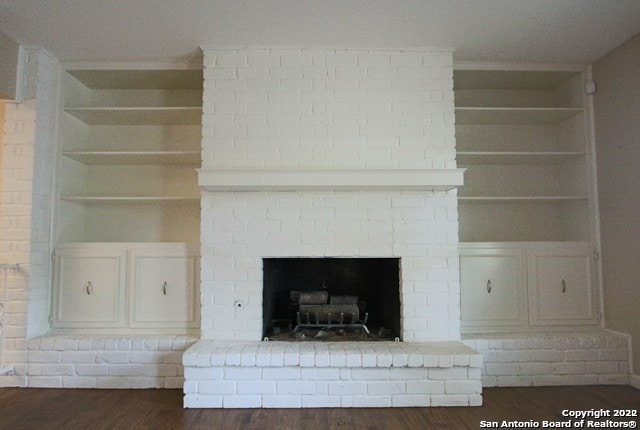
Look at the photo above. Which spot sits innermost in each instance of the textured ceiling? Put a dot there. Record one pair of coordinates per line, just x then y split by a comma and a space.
567, 31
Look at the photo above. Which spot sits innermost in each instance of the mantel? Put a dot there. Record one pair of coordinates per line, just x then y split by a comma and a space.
296, 180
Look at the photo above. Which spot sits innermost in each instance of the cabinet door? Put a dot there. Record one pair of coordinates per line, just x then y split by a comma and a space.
164, 287
89, 288
492, 288
561, 287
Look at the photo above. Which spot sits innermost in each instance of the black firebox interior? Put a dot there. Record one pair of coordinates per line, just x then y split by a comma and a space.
375, 282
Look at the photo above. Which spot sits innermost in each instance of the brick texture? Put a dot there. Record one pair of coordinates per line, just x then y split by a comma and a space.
106, 362
577, 358
215, 376
307, 109
328, 109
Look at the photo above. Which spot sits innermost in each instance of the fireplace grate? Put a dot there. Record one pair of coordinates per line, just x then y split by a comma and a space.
341, 312
324, 319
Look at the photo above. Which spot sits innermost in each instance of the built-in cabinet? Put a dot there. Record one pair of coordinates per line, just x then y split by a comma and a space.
526, 285
126, 285
129, 146
526, 210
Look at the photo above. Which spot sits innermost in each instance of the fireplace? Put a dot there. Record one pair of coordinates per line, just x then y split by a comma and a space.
340, 156
373, 284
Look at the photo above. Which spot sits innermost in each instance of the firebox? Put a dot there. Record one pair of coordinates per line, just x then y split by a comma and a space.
331, 299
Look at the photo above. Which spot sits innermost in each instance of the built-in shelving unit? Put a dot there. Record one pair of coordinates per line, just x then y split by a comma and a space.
526, 207
128, 207
521, 136
130, 147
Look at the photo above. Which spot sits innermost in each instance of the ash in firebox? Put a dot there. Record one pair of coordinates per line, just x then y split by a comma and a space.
331, 335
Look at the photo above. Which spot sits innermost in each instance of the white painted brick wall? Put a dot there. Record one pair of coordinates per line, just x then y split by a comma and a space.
576, 358
318, 109
106, 362
232, 270
15, 231
27, 164
328, 109
316, 382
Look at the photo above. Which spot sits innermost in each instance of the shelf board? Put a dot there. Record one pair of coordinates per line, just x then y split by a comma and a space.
286, 180
130, 199
514, 115
519, 199
510, 79
179, 79
516, 157
175, 115
134, 157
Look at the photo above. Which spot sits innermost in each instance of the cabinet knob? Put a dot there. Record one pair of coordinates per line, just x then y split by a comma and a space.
89, 287
564, 286
164, 288
489, 286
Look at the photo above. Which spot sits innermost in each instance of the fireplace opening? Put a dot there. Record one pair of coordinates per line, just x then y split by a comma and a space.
331, 299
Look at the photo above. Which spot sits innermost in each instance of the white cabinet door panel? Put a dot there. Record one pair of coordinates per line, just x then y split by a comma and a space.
163, 290
89, 289
492, 288
561, 290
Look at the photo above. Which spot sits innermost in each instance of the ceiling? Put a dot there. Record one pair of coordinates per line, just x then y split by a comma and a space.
566, 31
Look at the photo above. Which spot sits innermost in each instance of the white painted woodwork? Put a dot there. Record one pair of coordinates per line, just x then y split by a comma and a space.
521, 135
103, 286
89, 288
492, 288
140, 79
548, 284
134, 157
129, 148
435, 180
561, 287
163, 287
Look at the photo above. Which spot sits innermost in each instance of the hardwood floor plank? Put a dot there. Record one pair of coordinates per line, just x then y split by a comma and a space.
35, 409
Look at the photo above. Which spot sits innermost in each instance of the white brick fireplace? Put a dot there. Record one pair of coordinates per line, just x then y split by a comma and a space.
329, 153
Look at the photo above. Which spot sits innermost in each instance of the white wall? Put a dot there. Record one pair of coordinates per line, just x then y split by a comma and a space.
616, 104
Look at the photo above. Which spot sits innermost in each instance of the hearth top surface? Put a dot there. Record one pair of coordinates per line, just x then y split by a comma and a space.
207, 353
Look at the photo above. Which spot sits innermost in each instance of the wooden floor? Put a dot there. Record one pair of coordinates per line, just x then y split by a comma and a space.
32, 408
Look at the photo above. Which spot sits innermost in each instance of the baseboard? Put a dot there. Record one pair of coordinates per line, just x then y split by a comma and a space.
635, 381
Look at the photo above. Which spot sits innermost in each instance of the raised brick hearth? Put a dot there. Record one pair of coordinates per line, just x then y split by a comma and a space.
350, 374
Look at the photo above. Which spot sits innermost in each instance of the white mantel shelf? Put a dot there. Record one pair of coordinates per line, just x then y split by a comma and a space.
296, 180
